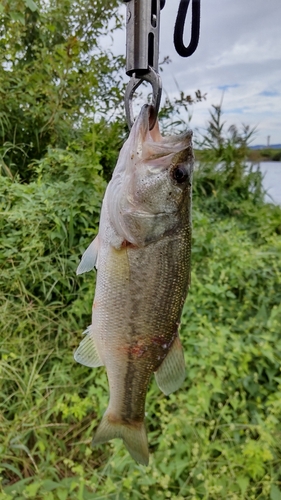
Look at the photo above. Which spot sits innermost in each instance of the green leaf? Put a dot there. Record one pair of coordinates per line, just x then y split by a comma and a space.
243, 483
18, 487
11, 468
275, 493
50, 485
31, 5
49, 496
62, 493
32, 489
17, 16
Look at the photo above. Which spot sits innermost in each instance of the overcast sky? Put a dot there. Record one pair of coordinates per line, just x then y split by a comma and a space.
239, 55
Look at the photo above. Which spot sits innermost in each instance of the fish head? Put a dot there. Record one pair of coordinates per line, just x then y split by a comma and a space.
150, 191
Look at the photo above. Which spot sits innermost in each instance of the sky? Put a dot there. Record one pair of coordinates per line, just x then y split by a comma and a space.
238, 59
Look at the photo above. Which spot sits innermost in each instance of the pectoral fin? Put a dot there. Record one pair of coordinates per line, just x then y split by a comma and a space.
171, 373
87, 353
89, 257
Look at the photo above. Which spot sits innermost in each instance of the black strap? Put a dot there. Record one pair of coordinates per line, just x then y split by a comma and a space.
181, 49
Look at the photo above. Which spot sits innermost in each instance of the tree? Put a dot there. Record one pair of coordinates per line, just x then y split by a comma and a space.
53, 73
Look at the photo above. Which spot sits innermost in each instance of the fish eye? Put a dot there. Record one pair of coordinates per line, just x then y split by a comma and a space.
180, 174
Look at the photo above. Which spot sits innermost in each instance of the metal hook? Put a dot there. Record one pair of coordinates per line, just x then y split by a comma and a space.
142, 53
154, 79
142, 47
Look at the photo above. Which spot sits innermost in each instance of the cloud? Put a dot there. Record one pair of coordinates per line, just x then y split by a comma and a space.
239, 111
238, 57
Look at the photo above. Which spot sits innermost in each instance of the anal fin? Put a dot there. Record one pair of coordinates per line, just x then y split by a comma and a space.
171, 373
87, 353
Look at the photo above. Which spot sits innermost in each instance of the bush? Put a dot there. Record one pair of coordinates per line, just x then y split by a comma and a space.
223, 172
53, 74
218, 437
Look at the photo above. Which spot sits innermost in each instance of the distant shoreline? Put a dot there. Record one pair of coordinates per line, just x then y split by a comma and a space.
263, 146
264, 154
255, 155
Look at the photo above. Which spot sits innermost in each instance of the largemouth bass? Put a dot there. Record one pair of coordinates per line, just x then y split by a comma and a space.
142, 256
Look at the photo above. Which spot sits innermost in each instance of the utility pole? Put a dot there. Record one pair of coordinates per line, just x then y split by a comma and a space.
268, 141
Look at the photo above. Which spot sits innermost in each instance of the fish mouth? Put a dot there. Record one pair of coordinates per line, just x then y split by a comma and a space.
145, 118
143, 214
151, 145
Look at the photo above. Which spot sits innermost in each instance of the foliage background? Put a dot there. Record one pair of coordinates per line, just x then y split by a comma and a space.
218, 437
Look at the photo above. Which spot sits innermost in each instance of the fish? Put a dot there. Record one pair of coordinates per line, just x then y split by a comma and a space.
142, 254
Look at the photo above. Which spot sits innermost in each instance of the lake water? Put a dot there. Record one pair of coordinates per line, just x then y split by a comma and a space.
271, 171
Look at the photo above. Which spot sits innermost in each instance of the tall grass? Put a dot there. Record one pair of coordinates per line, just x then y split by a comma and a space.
218, 437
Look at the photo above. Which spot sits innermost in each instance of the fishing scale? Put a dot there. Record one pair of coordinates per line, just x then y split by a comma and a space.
142, 47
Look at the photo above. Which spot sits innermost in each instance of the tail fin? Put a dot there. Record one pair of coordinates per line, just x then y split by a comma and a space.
133, 435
